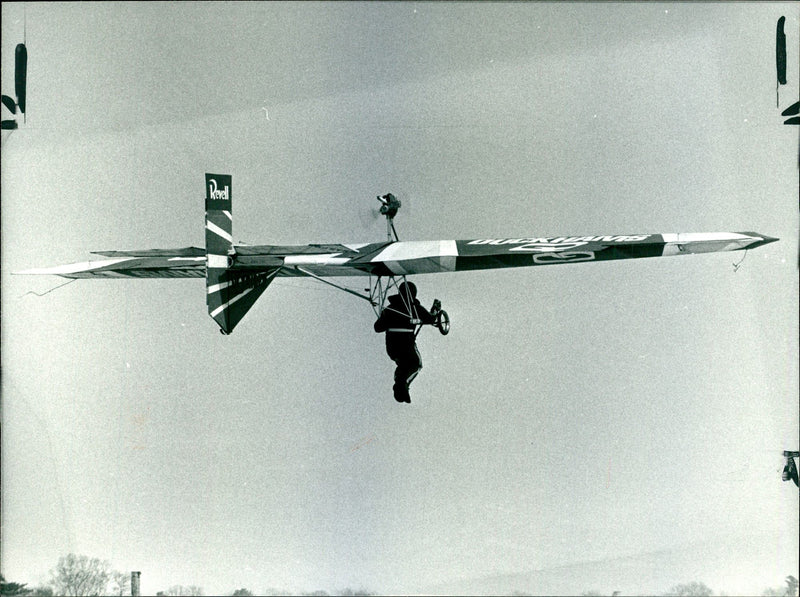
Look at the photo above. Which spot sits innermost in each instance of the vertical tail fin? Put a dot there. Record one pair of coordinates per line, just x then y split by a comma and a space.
229, 293
219, 219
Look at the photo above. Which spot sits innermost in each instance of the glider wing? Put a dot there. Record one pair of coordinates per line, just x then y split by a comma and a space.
156, 263
420, 257
236, 275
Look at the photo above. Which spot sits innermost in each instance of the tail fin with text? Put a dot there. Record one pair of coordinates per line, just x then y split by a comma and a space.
229, 292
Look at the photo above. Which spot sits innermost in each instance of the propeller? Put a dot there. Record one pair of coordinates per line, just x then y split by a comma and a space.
372, 216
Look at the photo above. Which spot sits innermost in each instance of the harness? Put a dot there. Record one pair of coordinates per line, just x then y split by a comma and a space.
410, 312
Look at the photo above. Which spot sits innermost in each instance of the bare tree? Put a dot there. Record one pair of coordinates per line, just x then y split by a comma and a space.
80, 576
184, 591
692, 589
120, 583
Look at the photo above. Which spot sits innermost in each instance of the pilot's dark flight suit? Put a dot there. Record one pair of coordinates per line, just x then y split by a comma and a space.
401, 346
790, 471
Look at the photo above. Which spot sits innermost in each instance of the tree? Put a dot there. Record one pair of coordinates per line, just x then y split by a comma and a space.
242, 593
692, 589
12, 588
80, 576
182, 590
790, 590
120, 583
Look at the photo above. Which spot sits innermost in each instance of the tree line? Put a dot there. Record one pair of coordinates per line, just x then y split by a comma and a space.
81, 576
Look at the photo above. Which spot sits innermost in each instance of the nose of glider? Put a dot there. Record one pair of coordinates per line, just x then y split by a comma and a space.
761, 239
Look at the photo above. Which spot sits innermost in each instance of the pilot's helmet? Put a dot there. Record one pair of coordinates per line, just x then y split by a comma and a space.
407, 288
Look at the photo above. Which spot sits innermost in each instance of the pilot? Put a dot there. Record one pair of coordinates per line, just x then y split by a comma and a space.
399, 319
790, 471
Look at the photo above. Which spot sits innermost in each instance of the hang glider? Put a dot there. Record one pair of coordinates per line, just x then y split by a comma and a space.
236, 275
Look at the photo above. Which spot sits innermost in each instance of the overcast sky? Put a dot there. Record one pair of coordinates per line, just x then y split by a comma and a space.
594, 412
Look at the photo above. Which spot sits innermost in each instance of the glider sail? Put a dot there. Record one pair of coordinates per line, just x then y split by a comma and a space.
236, 275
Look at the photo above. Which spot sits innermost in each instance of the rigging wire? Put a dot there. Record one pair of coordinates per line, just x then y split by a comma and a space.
737, 265
49, 291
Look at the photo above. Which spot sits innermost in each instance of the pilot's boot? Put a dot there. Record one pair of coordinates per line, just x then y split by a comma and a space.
790, 471
401, 392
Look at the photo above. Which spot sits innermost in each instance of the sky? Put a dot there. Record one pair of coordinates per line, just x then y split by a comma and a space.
603, 426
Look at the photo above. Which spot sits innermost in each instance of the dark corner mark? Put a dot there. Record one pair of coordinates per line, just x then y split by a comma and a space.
20, 85
780, 64
780, 51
